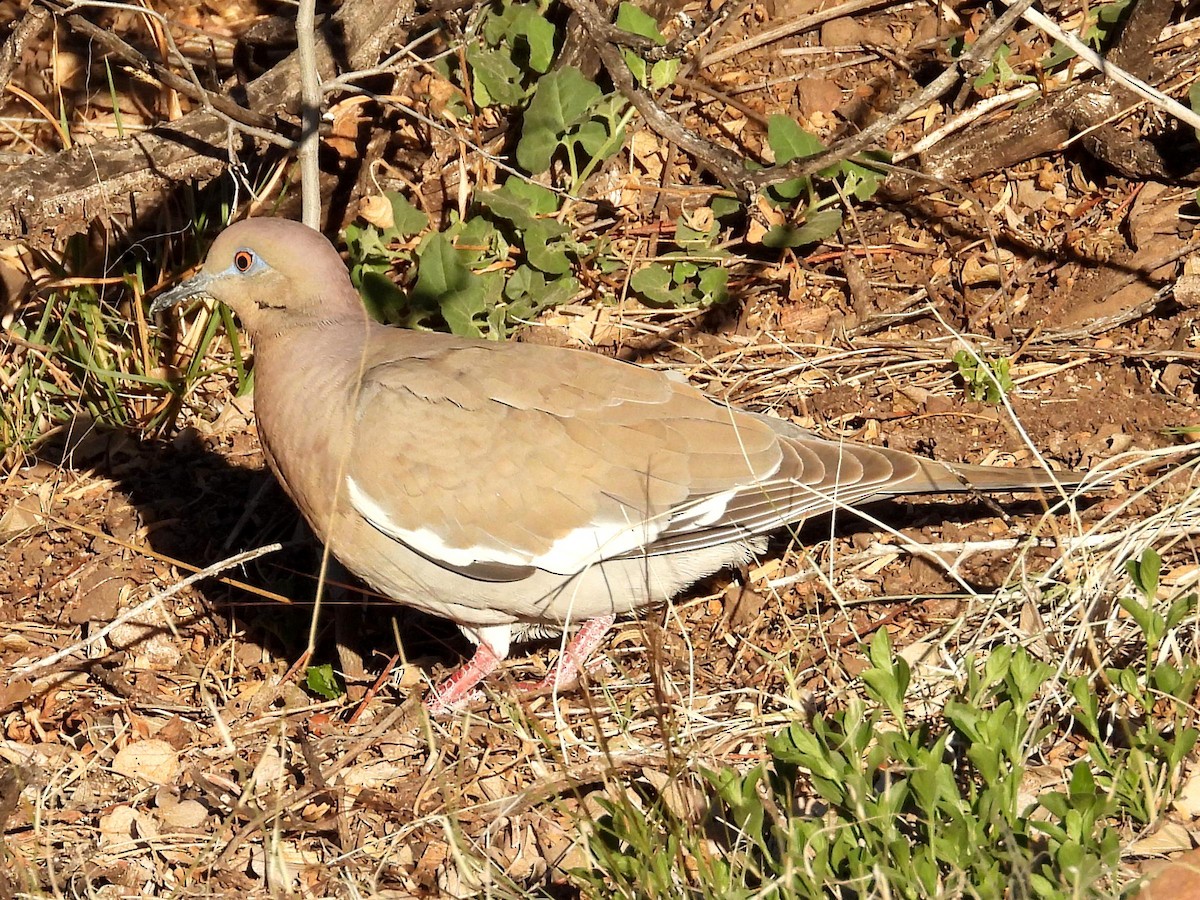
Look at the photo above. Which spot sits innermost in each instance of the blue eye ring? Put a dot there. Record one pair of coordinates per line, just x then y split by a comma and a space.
243, 261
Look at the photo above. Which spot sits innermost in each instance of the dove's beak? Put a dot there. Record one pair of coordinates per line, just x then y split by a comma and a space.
196, 286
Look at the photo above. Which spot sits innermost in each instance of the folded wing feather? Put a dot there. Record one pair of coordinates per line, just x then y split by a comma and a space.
503, 476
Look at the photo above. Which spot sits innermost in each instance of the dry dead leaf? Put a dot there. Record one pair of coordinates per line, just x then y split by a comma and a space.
683, 799
183, 814
818, 95
1188, 801
1177, 880
148, 638
118, 826
1169, 838
377, 210
843, 32
21, 516
268, 771
151, 760
1187, 288
98, 597
343, 137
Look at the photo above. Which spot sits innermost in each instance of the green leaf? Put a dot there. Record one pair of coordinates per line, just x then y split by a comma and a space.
478, 240
539, 201
497, 80
445, 283
859, 181
591, 137
506, 205
723, 207
683, 270
529, 292
789, 141
663, 73
987, 380
654, 284
544, 253
636, 21
560, 102
440, 271
382, 298
406, 218
713, 285
797, 745
1145, 572
465, 310
603, 135
322, 682
537, 36
816, 228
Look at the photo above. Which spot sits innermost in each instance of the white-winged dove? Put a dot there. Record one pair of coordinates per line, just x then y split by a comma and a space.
511, 485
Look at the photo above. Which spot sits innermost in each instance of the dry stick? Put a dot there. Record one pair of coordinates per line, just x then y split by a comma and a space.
146, 551
972, 59
10, 54
74, 187
1111, 71
727, 167
310, 114
241, 116
215, 569
296, 800
796, 26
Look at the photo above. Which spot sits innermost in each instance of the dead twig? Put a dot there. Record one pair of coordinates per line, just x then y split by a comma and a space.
310, 113
31, 26
76, 186
795, 26
147, 604
263, 126
731, 169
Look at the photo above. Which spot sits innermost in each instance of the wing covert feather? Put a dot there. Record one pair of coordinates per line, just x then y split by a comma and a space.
519, 471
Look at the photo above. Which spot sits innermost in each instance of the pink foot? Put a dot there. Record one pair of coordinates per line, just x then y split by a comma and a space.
573, 660
459, 689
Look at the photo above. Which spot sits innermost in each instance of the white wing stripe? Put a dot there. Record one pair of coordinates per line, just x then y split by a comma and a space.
569, 554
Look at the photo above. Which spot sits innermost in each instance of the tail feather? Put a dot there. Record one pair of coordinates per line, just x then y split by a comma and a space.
937, 477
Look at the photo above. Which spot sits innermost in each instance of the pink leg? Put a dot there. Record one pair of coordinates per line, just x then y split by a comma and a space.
571, 660
459, 688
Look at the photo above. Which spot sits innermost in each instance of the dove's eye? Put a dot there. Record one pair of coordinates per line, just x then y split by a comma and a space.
243, 260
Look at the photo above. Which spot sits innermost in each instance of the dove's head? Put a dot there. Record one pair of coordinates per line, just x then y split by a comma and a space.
274, 274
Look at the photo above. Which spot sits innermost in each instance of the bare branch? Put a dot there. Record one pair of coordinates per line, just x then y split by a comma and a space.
310, 113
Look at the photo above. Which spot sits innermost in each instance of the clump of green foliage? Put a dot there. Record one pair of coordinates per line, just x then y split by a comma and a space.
931, 806
986, 380
514, 254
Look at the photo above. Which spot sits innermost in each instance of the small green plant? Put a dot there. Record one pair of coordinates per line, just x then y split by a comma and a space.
322, 681
986, 380
690, 276
657, 75
1100, 27
1144, 574
80, 360
920, 807
514, 46
570, 114
999, 72
813, 197
457, 277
